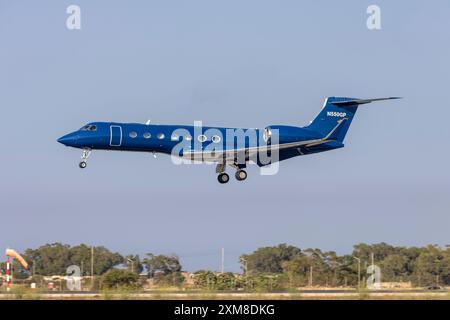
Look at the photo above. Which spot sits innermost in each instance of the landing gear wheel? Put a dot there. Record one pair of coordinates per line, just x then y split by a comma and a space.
84, 156
241, 175
223, 178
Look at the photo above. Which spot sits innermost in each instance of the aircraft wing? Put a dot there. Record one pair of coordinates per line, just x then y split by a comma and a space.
229, 155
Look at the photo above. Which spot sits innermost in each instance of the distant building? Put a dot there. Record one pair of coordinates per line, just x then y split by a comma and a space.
188, 278
396, 285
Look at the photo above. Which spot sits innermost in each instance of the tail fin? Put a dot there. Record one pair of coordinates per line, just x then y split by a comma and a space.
336, 116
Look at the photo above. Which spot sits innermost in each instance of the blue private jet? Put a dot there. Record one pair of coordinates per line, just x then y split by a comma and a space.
233, 147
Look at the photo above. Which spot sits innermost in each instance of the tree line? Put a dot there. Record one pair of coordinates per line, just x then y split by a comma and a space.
268, 268
422, 266
54, 259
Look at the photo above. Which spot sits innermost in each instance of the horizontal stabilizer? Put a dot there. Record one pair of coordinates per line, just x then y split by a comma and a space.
354, 102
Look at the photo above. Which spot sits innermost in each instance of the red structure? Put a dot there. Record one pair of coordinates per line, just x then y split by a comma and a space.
8, 273
13, 254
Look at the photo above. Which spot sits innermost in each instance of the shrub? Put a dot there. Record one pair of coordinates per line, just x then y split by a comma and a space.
116, 278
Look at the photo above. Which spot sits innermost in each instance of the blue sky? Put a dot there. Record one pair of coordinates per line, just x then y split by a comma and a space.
227, 63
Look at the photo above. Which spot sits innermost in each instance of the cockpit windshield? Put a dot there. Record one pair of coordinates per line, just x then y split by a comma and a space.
89, 127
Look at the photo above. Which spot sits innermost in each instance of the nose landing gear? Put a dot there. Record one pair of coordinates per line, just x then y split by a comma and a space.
84, 156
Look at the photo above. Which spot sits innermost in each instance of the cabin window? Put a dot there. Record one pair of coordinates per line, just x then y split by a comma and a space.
202, 138
188, 138
133, 134
216, 139
161, 136
174, 137
147, 135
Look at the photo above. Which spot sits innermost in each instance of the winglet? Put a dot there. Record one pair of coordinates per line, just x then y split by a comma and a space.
361, 101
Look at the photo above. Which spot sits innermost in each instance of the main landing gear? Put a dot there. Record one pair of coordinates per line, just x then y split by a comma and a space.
84, 156
241, 175
223, 177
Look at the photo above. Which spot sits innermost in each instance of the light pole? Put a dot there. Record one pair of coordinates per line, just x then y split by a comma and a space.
359, 271
222, 268
92, 267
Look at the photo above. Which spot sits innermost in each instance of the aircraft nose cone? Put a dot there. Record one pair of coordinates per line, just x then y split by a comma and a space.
68, 140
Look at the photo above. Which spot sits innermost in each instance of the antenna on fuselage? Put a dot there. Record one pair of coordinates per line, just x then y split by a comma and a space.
148, 122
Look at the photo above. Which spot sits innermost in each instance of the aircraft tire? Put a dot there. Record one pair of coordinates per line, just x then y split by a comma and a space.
223, 178
240, 175
83, 164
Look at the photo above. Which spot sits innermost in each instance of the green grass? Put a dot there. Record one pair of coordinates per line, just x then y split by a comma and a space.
25, 293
